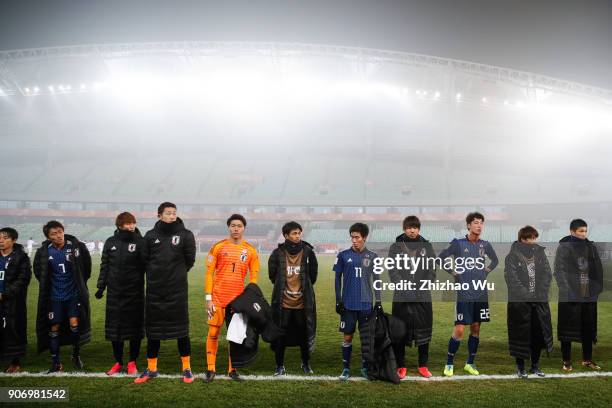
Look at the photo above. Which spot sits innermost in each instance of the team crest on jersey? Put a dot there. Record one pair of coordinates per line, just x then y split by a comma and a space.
243, 255
257, 307
114, 248
423, 252
50, 315
76, 252
459, 316
176, 239
481, 251
131, 247
68, 257
366, 262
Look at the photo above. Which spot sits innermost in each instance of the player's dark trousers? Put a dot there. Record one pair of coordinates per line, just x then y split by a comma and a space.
118, 350
184, 347
587, 349
295, 326
279, 354
586, 336
536, 342
400, 354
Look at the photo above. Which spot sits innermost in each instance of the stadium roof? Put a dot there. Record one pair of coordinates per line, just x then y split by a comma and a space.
21, 69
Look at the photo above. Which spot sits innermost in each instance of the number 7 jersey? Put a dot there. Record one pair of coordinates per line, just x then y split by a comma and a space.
355, 278
226, 268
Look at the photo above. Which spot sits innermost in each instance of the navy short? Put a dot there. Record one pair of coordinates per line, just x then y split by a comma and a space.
471, 312
350, 318
61, 310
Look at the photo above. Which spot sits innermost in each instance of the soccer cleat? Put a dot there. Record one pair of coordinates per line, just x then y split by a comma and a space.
55, 368
210, 376
307, 369
567, 366
471, 369
145, 376
449, 370
77, 362
591, 364
116, 368
364, 373
521, 373
131, 368
345, 375
424, 371
188, 376
234, 375
401, 372
280, 370
536, 370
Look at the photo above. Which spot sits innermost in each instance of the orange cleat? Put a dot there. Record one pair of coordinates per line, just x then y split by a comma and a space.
424, 371
114, 369
401, 372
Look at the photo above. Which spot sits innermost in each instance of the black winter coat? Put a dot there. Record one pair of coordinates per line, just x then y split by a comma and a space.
277, 266
258, 313
17, 275
81, 263
577, 316
378, 335
413, 307
170, 253
522, 305
122, 273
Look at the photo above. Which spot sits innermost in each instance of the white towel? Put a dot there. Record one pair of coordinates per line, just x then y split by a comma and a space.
236, 332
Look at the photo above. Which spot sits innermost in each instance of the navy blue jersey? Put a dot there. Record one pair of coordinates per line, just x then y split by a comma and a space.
63, 284
4, 260
462, 248
354, 279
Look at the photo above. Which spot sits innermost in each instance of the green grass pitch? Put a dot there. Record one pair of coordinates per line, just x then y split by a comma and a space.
492, 358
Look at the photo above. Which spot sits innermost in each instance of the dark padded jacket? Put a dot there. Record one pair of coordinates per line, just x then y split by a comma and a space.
122, 271
17, 275
81, 263
525, 306
170, 253
277, 265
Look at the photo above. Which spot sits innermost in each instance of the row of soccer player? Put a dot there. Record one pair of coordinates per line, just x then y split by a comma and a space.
165, 254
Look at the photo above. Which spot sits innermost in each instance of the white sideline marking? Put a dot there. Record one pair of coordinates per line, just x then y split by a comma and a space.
315, 377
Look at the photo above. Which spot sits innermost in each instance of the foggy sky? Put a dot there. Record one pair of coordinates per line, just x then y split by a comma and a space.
566, 39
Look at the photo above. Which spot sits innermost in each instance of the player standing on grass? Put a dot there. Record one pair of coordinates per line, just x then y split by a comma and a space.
226, 267
122, 270
15, 275
293, 269
472, 307
413, 307
170, 253
579, 275
528, 278
354, 279
62, 266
